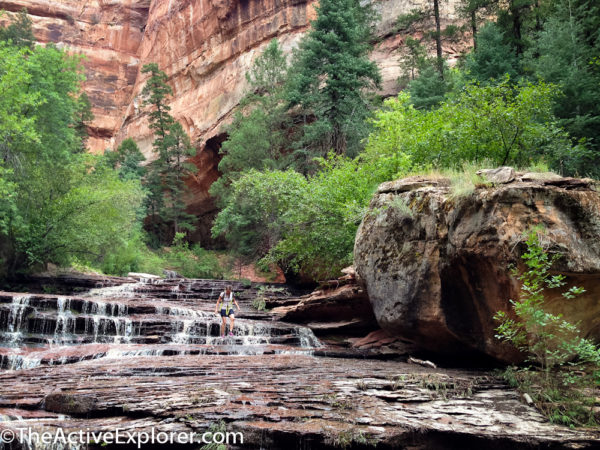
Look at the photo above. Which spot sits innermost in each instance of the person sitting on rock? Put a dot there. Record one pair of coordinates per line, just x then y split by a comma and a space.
228, 300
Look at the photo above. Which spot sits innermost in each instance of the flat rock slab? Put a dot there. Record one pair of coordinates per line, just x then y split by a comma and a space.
282, 400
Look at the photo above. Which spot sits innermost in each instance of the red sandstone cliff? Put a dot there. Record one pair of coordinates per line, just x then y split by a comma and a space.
109, 34
205, 47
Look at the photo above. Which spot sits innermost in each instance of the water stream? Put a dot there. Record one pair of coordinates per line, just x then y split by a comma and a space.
150, 317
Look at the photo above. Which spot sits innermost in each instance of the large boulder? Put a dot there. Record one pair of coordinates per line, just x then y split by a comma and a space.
437, 265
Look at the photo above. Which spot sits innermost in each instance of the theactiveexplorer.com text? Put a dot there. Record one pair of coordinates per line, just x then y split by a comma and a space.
118, 436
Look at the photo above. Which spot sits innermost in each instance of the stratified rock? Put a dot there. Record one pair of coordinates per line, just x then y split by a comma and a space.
436, 267
146, 357
284, 401
345, 309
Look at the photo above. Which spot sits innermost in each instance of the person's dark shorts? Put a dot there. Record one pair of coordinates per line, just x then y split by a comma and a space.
224, 312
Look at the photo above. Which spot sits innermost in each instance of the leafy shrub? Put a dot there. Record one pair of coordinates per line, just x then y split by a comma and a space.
502, 123
194, 262
259, 303
563, 367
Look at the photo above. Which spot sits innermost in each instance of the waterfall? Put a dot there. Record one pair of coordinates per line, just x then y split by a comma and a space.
308, 338
14, 324
183, 337
146, 318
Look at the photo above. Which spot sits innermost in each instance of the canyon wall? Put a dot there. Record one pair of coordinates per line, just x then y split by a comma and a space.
108, 34
205, 47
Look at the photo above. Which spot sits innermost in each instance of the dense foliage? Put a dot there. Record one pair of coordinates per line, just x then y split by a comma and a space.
331, 78
258, 136
61, 205
527, 93
58, 203
525, 96
500, 123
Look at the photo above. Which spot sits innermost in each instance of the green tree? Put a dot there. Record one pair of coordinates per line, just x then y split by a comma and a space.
90, 219
562, 53
17, 128
127, 160
58, 203
493, 57
318, 239
7, 200
166, 175
258, 136
176, 170
331, 78
19, 32
513, 19
155, 93
253, 219
438, 38
501, 123
154, 203
414, 59
471, 10
420, 17
428, 90
305, 225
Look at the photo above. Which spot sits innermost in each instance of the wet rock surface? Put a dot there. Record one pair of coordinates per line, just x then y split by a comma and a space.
146, 355
280, 399
438, 269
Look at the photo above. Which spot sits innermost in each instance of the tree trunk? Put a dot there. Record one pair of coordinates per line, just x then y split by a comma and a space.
516, 22
438, 37
474, 28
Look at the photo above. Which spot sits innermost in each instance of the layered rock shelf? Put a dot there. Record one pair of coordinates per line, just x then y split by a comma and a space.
146, 355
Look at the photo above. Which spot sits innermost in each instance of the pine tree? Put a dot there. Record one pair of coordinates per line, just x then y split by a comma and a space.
493, 58
176, 171
155, 93
429, 89
513, 19
127, 160
413, 60
165, 181
331, 77
438, 37
470, 9
562, 52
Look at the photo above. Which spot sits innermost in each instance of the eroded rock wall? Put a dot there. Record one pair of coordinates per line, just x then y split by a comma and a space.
108, 34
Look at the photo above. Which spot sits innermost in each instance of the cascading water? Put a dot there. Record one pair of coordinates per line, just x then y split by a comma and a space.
16, 312
145, 318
